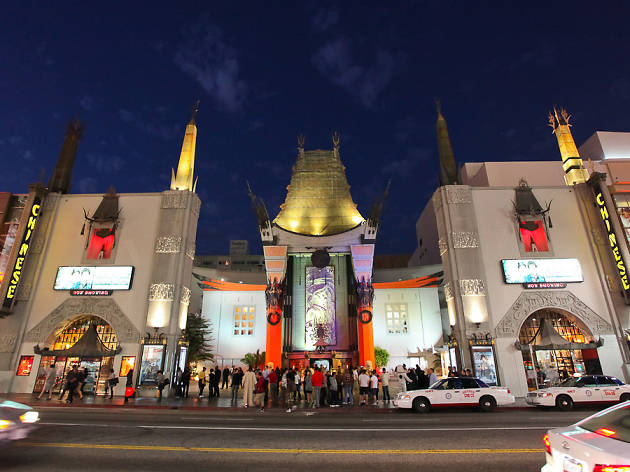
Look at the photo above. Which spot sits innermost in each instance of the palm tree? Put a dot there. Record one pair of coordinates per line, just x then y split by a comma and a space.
254, 359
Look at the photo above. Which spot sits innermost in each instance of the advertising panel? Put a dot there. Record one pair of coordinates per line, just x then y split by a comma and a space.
25, 366
523, 271
483, 360
127, 363
320, 306
94, 278
152, 355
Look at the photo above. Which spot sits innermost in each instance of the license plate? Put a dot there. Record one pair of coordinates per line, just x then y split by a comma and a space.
569, 464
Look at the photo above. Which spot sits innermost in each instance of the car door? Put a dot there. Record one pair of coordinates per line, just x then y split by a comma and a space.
453, 395
609, 390
471, 392
586, 390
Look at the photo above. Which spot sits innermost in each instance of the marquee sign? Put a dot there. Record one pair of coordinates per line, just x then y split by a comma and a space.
93, 279
543, 270
612, 240
22, 252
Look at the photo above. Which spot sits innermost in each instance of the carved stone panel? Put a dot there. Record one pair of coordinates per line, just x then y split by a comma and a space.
161, 292
465, 239
105, 308
443, 245
458, 194
196, 206
7, 342
530, 301
23, 291
448, 291
168, 245
472, 287
190, 252
174, 199
185, 295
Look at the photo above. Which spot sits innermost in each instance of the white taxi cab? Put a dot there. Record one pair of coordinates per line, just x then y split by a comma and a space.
587, 389
455, 392
599, 443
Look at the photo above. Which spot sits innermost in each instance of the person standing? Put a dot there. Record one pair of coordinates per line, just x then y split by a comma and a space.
273, 385
348, 387
185, 382
298, 382
333, 388
179, 378
364, 387
259, 392
226, 377
237, 379
112, 381
217, 383
72, 382
249, 382
211, 379
161, 383
308, 388
290, 390
432, 377
385, 385
202, 381
317, 380
129, 390
83, 373
374, 388
49, 380
265, 375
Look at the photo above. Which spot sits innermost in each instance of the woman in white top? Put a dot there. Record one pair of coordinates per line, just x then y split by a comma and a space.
49, 382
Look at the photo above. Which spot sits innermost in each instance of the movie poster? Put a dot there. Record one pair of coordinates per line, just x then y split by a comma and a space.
483, 360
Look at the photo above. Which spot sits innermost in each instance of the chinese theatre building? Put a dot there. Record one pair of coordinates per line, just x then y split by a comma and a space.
319, 300
99, 280
534, 257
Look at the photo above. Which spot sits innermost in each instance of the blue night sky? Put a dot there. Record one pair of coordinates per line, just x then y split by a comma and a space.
267, 71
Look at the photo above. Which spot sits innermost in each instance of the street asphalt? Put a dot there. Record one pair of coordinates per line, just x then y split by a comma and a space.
128, 439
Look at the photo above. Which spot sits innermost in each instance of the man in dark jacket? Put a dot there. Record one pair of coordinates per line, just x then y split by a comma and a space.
217, 382
72, 381
185, 382
211, 379
226, 377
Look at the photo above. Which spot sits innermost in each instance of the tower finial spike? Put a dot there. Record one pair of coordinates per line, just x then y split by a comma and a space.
438, 105
193, 115
183, 179
574, 170
336, 139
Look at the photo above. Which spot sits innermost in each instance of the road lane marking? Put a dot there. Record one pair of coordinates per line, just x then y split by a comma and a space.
130, 447
255, 428
213, 418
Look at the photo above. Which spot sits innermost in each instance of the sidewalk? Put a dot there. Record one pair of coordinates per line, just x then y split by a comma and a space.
193, 403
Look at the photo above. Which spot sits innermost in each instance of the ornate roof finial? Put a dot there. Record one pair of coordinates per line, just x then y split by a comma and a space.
575, 173
300, 140
438, 105
336, 139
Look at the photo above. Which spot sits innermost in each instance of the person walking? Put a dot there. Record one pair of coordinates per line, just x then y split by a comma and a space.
217, 382
403, 378
49, 381
112, 381
374, 388
237, 379
432, 377
308, 388
259, 392
364, 387
129, 390
185, 382
273, 385
249, 383
317, 380
162, 381
72, 382
298, 383
290, 389
348, 387
333, 388
225, 377
82, 377
385, 385
202, 381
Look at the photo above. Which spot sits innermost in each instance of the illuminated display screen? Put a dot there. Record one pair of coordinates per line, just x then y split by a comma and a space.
127, 363
521, 271
94, 278
320, 306
25, 366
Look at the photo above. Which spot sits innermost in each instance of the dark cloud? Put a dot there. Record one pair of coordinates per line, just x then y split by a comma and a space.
403, 167
325, 19
336, 61
105, 163
208, 58
150, 127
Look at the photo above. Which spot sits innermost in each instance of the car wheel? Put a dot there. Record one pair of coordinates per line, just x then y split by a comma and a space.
624, 397
487, 403
564, 403
421, 405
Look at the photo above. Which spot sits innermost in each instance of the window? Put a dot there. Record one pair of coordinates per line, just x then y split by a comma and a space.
396, 318
244, 317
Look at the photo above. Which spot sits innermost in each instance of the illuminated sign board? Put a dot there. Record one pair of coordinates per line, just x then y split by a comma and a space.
527, 271
612, 241
90, 279
21, 254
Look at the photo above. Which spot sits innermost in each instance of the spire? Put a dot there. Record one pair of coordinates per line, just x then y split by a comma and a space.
61, 178
448, 168
574, 171
183, 180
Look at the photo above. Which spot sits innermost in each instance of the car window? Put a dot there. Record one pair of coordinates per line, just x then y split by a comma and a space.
586, 381
454, 383
604, 380
440, 385
613, 423
469, 383
482, 384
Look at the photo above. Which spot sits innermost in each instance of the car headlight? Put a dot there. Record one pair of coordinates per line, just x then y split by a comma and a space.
4, 424
403, 397
30, 417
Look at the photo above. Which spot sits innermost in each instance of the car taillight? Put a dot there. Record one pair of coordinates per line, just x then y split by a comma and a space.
4, 424
611, 468
508, 390
609, 433
547, 443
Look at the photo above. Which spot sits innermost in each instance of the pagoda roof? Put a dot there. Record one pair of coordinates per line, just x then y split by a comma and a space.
89, 345
318, 201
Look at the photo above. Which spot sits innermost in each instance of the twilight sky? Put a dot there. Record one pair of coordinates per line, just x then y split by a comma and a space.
267, 71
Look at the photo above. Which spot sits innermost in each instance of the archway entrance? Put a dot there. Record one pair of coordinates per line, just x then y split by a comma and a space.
556, 346
87, 341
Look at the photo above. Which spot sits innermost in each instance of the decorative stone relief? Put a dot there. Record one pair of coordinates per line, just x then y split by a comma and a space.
190, 252
465, 239
23, 291
168, 245
597, 236
458, 194
613, 283
105, 308
443, 245
471, 287
161, 292
185, 295
174, 199
7, 342
530, 301
448, 291
37, 246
